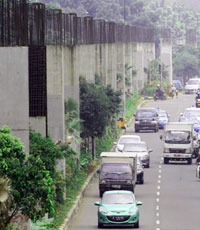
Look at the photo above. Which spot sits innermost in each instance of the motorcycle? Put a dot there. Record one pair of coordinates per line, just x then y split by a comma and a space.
159, 97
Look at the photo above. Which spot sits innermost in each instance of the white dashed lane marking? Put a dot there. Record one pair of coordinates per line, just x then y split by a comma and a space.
158, 193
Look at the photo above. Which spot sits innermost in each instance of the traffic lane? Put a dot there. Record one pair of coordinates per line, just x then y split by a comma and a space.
86, 217
180, 197
178, 188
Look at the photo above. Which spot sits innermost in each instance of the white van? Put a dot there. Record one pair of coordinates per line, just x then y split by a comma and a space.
192, 85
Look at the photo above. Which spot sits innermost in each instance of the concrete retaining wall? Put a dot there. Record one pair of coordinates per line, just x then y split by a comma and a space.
14, 100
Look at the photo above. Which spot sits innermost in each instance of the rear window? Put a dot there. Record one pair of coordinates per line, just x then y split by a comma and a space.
145, 113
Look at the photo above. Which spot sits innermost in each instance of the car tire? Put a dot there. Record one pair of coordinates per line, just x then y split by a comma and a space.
166, 161
142, 181
100, 193
190, 161
137, 225
100, 225
148, 166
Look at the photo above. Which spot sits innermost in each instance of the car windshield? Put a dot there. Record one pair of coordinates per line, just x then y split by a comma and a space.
177, 137
193, 82
124, 140
192, 113
136, 147
162, 114
118, 198
116, 171
145, 113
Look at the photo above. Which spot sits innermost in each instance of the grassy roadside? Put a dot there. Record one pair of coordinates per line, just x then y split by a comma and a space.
102, 144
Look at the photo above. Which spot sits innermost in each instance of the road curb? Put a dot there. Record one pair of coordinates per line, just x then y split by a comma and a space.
75, 207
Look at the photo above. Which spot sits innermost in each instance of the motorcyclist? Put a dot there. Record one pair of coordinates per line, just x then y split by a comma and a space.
158, 92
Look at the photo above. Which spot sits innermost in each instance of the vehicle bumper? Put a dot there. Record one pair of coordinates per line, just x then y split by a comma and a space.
147, 126
108, 187
105, 220
177, 156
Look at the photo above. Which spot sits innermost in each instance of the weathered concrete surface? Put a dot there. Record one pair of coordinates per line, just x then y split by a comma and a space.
55, 93
14, 100
166, 55
38, 124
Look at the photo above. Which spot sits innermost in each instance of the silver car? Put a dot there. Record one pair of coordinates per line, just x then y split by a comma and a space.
142, 152
125, 139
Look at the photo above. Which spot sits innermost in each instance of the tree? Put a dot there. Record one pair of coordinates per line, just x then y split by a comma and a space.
72, 122
31, 184
97, 106
185, 63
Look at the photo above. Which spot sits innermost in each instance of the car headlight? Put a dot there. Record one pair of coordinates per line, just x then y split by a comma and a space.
166, 150
137, 122
133, 211
102, 181
102, 210
129, 182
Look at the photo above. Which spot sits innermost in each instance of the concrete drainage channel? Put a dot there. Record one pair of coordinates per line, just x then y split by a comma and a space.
75, 207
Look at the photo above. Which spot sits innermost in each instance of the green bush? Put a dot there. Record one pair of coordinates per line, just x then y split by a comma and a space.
149, 90
131, 105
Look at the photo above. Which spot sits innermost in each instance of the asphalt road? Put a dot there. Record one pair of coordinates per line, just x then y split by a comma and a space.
170, 193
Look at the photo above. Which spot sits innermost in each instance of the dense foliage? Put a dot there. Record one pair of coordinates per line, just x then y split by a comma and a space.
31, 183
98, 105
186, 63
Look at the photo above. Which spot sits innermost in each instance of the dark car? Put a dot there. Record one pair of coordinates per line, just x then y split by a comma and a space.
146, 119
140, 171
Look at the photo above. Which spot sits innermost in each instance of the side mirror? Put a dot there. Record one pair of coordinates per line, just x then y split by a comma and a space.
161, 137
114, 143
169, 116
150, 150
97, 203
98, 171
194, 138
181, 114
134, 114
139, 203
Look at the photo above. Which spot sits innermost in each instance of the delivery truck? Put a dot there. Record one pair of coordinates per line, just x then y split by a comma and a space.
178, 141
118, 171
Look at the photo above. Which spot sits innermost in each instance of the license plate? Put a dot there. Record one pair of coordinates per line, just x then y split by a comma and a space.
116, 186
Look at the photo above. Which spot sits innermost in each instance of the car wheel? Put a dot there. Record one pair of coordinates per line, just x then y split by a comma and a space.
100, 225
100, 193
137, 225
142, 181
189, 161
166, 161
148, 165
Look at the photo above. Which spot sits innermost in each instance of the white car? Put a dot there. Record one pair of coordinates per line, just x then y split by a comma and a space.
142, 151
192, 85
125, 139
